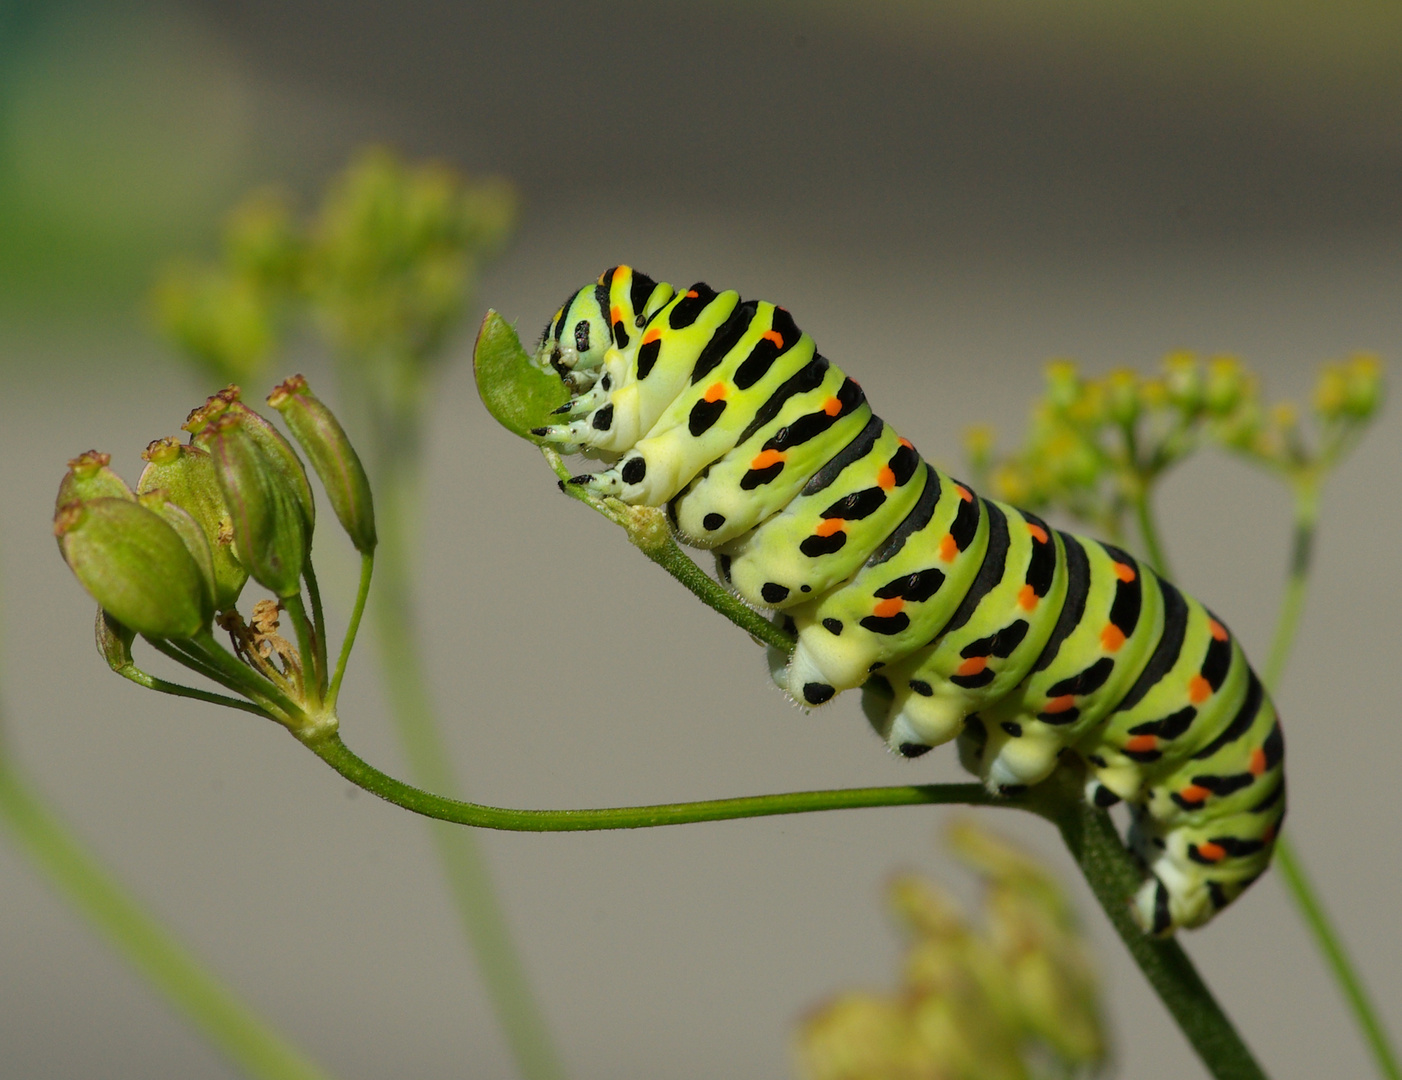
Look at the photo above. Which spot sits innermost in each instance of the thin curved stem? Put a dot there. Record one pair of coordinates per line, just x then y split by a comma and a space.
340, 757
152, 682
1089, 833
367, 569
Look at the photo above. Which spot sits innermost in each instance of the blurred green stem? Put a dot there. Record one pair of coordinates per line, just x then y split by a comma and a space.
1297, 879
464, 864
187, 986
1301, 889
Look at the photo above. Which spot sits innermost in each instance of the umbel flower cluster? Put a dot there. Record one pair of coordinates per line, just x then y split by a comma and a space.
170, 560
1094, 446
1013, 999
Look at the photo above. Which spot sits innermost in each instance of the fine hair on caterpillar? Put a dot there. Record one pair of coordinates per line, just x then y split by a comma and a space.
958, 617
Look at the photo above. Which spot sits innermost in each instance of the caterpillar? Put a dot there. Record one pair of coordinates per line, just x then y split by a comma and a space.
959, 617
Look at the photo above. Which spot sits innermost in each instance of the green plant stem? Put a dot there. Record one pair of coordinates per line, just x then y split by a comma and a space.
1149, 529
1297, 879
1113, 875
151, 682
335, 753
464, 864
1089, 834
242, 1036
306, 649
367, 569
650, 533
318, 628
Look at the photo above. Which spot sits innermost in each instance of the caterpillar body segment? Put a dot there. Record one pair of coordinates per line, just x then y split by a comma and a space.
958, 616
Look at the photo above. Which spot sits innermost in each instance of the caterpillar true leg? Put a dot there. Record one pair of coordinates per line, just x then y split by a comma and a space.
957, 616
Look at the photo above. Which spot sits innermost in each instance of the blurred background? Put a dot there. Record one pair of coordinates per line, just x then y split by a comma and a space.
945, 195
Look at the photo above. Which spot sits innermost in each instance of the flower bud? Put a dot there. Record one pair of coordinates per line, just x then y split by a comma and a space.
1063, 383
113, 641
135, 566
88, 477
332, 456
186, 475
1122, 396
1227, 385
272, 533
1365, 385
1182, 374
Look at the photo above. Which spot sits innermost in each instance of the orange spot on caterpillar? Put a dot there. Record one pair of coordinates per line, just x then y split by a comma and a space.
774, 336
885, 479
1060, 704
615, 314
766, 458
1111, 638
886, 608
1027, 598
1258, 762
905, 442
652, 335
1219, 632
692, 294
949, 550
832, 406
1192, 793
1138, 744
1212, 852
830, 526
1039, 534
964, 493
1124, 572
1199, 689
715, 391
972, 666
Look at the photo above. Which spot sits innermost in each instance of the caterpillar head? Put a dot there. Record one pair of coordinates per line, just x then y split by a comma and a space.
607, 314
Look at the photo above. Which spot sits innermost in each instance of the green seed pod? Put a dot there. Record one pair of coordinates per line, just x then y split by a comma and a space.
186, 527
277, 450
186, 475
135, 566
113, 641
88, 477
332, 456
271, 531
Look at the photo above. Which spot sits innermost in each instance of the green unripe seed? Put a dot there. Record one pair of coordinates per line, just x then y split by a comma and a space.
320, 434
135, 566
272, 532
88, 477
186, 475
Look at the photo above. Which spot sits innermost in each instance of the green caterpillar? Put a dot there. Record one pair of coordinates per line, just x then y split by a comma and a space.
957, 616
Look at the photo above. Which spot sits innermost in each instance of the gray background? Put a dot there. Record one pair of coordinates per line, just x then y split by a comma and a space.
944, 197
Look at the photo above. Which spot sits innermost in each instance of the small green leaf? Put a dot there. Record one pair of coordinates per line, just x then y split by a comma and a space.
518, 393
